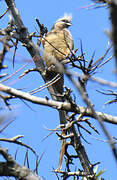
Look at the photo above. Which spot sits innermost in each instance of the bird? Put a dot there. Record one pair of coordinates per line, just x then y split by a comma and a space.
57, 45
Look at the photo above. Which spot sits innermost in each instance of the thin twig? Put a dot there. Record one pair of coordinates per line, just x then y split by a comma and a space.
15, 141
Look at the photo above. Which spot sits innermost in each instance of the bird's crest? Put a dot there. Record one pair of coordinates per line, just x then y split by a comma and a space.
66, 17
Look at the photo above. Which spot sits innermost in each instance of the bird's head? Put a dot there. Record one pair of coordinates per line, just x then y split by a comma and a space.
63, 22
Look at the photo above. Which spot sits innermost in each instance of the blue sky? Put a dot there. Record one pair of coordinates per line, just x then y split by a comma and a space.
89, 26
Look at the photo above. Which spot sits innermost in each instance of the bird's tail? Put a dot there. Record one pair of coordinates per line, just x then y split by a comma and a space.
62, 116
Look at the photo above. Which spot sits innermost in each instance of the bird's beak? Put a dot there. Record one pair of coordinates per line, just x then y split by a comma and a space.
69, 24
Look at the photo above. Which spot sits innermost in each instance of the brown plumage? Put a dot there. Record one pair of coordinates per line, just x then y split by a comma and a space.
57, 46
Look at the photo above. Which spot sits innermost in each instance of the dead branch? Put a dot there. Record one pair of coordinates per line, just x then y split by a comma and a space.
100, 120
74, 174
57, 105
11, 168
15, 141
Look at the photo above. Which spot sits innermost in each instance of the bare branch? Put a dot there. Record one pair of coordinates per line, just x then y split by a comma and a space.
77, 173
11, 168
15, 141
99, 118
57, 105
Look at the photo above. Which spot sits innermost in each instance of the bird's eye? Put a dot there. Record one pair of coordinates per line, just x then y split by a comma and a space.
66, 21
